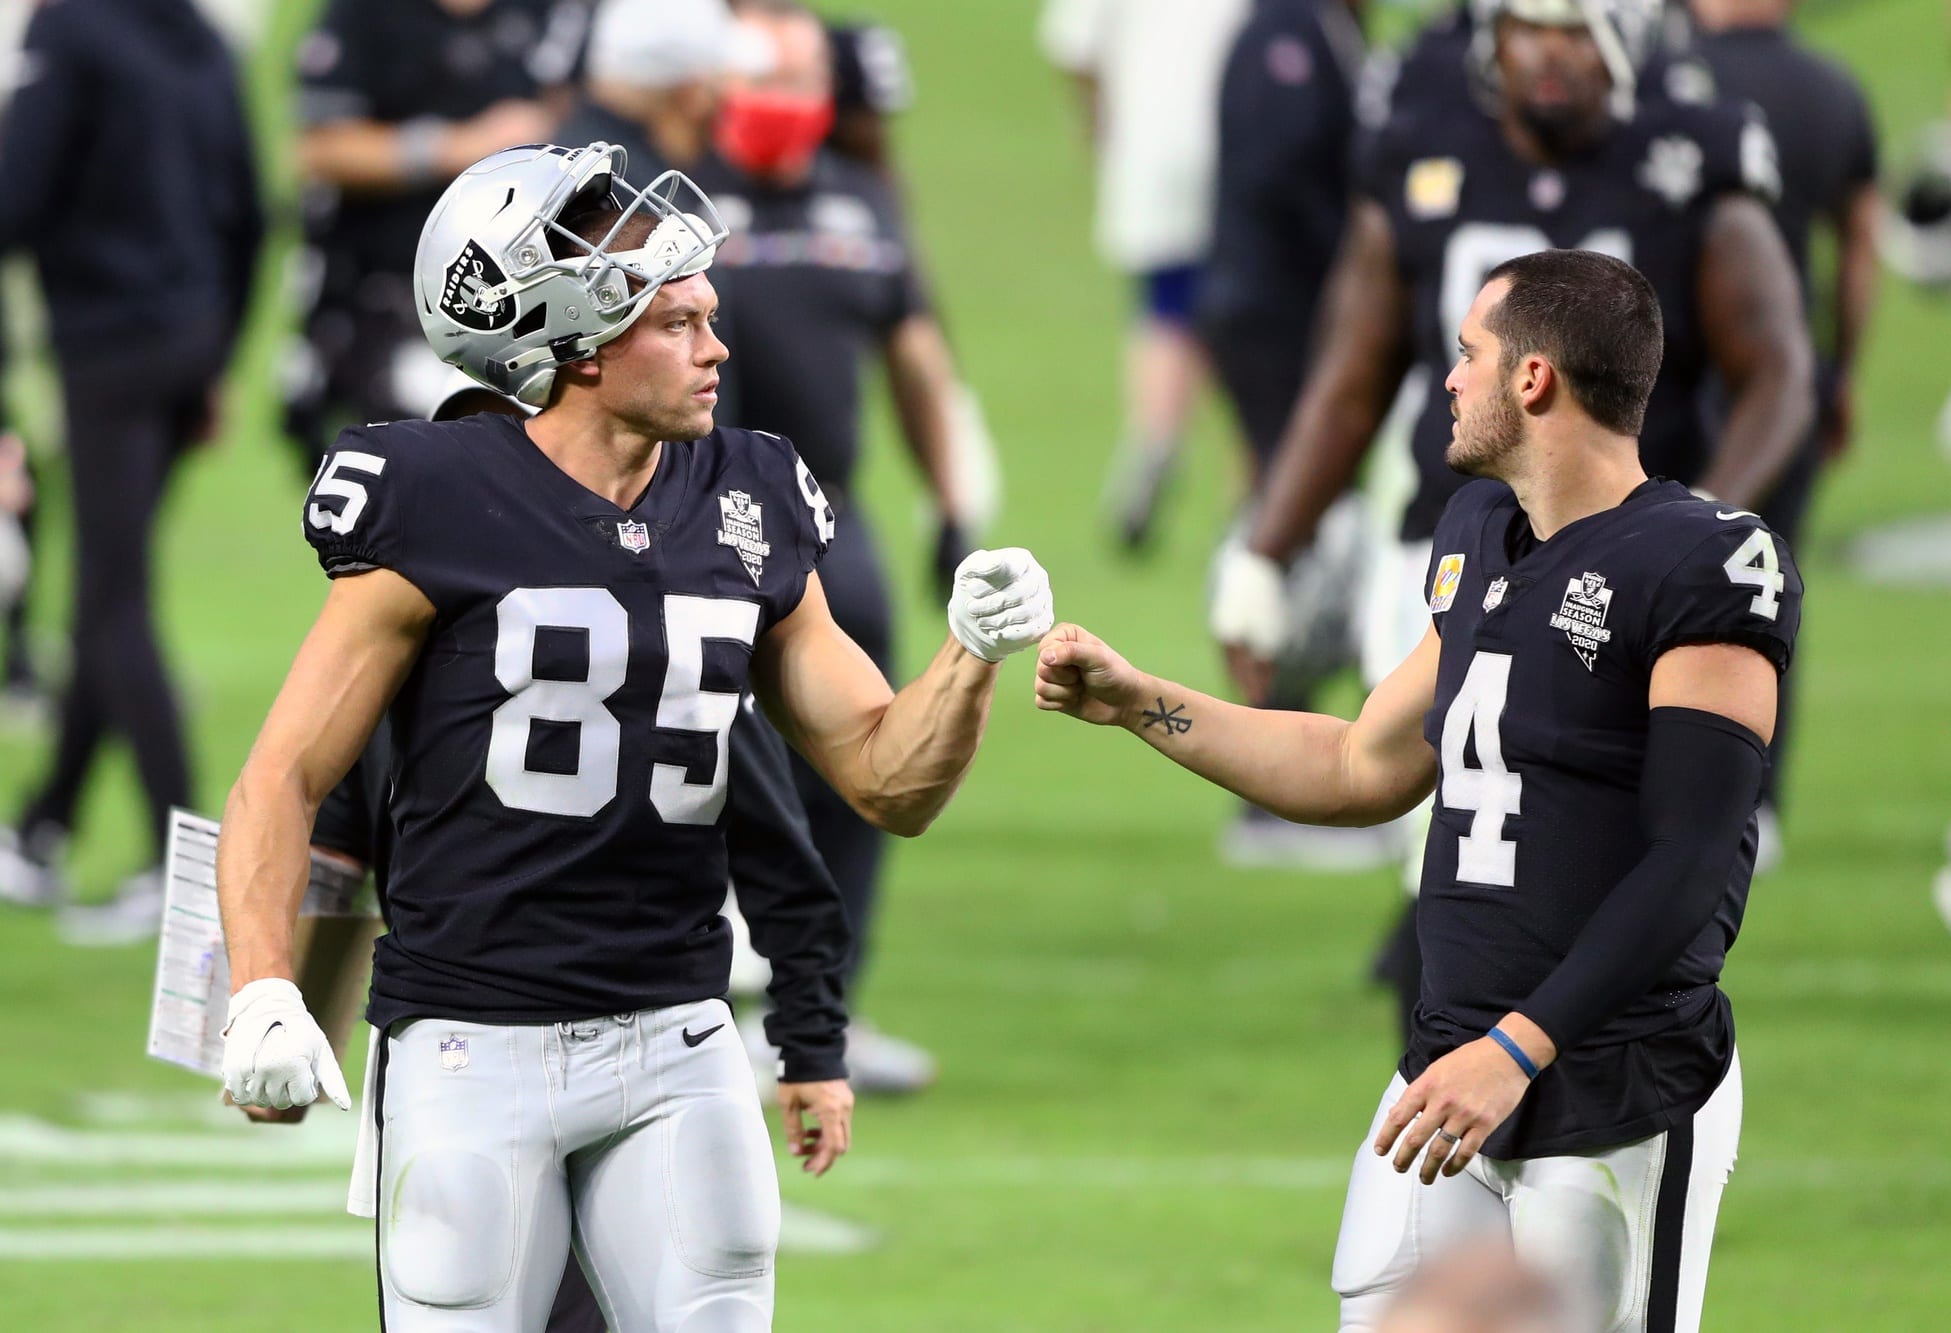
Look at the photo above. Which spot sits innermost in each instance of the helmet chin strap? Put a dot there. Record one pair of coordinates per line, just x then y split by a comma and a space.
534, 390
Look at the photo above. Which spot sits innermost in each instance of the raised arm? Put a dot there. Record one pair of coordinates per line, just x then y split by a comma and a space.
1302, 766
897, 758
1756, 333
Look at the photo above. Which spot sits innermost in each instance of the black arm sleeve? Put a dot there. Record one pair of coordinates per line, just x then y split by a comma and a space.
1696, 794
792, 905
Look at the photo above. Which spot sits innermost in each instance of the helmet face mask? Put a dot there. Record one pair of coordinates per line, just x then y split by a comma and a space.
1626, 33
508, 293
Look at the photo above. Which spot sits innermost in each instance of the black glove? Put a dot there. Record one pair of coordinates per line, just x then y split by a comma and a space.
951, 548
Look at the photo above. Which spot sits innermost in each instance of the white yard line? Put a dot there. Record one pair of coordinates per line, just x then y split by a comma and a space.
255, 1147
351, 1240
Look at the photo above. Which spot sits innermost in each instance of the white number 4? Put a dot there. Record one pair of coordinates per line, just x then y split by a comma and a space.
329, 482
1490, 791
1755, 564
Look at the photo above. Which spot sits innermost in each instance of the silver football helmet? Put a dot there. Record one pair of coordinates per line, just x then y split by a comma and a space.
1627, 33
507, 293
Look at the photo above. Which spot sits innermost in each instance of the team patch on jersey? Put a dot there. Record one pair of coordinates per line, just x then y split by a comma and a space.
633, 536
1582, 615
1449, 576
1494, 594
1433, 187
741, 528
1672, 169
472, 273
453, 1054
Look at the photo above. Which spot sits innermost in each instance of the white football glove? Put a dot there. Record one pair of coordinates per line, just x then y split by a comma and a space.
275, 1054
1249, 600
1000, 603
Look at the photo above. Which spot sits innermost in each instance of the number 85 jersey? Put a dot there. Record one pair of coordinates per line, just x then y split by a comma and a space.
1539, 725
559, 760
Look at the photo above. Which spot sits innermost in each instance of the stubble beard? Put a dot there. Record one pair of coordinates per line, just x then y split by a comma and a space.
1487, 437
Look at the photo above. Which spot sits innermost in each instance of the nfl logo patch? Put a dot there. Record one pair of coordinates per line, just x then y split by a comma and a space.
633, 537
453, 1053
1449, 577
1494, 595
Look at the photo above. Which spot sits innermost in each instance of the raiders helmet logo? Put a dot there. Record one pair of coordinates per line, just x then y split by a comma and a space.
472, 273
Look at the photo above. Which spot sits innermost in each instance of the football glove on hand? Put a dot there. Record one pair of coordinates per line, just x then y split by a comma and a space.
1249, 600
1000, 603
275, 1054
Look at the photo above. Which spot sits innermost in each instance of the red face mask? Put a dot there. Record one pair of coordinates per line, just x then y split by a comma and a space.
772, 134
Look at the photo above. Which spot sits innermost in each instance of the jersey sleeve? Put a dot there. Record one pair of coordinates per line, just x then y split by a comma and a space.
803, 506
1738, 154
1739, 585
1457, 539
870, 70
359, 512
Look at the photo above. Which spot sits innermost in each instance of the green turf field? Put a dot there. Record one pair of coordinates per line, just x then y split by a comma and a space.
1155, 1069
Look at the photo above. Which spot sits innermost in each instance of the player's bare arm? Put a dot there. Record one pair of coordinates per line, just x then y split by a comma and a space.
1360, 367
921, 380
351, 663
1751, 318
1361, 361
1302, 766
1855, 297
897, 757
376, 157
1468, 1093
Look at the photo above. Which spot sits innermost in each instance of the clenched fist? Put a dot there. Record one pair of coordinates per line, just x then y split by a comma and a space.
1079, 674
1000, 603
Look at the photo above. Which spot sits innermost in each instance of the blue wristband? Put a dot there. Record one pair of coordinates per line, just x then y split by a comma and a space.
1503, 1039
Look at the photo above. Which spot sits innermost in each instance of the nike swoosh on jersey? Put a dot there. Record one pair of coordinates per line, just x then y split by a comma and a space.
690, 1040
1739, 513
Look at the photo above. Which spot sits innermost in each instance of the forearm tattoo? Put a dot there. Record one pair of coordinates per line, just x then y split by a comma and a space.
1175, 722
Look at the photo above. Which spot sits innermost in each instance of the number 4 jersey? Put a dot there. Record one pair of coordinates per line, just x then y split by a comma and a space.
1539, 724
560, 745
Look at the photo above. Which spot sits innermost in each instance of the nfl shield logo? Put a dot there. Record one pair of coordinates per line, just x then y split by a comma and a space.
1494, 595
633, 537
453, 1053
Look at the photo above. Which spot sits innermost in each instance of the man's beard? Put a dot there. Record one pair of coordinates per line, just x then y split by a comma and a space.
1487, 436
1560, 130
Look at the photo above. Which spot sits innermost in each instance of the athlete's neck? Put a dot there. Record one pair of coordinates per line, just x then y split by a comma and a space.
598, 452
1560, 478
1541, 151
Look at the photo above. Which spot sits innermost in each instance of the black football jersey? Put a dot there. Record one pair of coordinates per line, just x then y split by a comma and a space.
1539, 725
1460, 202
559, 766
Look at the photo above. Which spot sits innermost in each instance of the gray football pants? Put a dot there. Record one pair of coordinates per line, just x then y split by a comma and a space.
500, 1146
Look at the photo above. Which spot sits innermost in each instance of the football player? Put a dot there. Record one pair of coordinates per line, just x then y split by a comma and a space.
1553, 143
559, 616
1591, 704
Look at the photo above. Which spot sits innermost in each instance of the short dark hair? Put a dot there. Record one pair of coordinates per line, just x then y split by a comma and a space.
1595, 318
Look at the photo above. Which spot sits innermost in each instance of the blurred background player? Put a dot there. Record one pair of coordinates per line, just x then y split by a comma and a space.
396, 97
1148, 75
653, 79
818, 276
1827, 146
142, 214
1552, 141
1285, 171
16, 500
